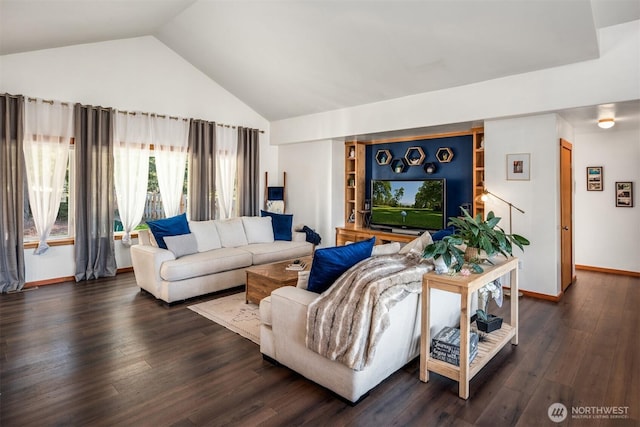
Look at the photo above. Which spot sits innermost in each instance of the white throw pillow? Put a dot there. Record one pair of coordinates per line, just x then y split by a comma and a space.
303, 279
152, 240
182, 244
258, 229
418, 244
386, 249
231, 232
206, 234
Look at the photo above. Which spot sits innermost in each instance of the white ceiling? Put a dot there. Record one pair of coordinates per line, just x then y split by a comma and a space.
291, 58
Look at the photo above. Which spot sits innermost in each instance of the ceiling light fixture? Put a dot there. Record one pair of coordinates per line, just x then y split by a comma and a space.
606, 123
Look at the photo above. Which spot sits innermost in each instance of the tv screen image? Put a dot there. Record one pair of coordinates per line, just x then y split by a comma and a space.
418, 204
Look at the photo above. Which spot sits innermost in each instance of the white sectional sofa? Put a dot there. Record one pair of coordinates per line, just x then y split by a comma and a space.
216, 256
283, 318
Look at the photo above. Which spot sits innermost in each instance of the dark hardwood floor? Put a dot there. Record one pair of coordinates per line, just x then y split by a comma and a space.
103, 353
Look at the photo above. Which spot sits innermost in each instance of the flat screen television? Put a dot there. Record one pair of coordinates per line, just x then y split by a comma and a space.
410, 205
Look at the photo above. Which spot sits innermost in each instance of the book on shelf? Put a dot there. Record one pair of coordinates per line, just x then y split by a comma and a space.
296, 266
445, 345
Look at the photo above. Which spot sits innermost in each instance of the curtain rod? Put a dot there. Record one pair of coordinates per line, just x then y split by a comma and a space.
233, 127
133, 113
177, 118
47, 101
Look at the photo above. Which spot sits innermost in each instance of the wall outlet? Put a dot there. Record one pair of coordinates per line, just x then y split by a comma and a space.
519, 264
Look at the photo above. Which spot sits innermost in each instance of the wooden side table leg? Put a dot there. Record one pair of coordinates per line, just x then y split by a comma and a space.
246, 289
514, 304
425, 335
463, 383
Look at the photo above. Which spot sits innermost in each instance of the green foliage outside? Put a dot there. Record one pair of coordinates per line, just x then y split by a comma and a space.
152, 187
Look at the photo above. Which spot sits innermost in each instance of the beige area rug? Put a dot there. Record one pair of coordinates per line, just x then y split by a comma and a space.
232, 313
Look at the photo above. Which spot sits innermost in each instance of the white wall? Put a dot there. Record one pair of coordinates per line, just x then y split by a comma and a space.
607, 236
139, 74
539, 197
58, 262
312, 178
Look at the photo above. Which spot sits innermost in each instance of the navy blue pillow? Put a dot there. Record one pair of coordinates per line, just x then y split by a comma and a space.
439, 235
281, 224
174, 226
329, 263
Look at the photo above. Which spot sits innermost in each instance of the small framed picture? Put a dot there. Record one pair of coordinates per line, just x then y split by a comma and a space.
594, 178
624, 194
518, 167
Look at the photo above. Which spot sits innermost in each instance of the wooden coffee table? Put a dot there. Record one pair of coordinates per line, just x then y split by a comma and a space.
264, 279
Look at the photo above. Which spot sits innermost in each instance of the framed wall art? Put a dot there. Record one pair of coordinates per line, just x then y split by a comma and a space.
518, 167
624, 194
594, 178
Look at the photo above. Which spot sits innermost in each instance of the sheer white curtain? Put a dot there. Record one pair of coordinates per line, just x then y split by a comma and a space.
48, 129
132, 138
170, 141
226, 165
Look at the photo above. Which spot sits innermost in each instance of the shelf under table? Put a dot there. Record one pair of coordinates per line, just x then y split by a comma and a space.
488, 348
496, 340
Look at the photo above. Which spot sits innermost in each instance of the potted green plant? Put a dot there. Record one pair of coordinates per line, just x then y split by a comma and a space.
479, 236
483, 239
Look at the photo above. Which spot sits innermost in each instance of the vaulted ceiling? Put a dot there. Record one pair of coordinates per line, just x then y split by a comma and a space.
292, 58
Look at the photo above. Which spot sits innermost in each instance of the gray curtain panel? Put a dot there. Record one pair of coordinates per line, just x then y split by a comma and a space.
12, 271
202, 166
248, 169
94, 193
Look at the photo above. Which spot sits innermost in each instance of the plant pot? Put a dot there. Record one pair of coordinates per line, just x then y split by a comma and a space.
471, 254
492, 324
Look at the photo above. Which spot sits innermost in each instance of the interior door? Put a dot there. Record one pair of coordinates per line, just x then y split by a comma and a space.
566, 214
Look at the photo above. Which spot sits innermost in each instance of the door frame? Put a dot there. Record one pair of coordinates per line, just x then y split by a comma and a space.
567, 261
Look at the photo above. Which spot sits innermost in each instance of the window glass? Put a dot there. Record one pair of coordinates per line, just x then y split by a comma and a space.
64, 225
153, 207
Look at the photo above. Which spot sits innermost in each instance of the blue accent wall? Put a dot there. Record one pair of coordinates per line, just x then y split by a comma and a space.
458, 173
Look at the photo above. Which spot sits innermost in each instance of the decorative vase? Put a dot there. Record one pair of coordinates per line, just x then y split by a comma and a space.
493, 323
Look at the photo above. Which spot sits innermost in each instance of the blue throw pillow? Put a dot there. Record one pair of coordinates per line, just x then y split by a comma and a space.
281, 224
174, 226
329, 263
439, 235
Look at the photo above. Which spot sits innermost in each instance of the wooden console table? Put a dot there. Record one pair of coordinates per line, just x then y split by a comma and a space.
465, 286
351, 233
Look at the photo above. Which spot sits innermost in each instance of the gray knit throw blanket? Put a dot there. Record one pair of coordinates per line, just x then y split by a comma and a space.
346, 322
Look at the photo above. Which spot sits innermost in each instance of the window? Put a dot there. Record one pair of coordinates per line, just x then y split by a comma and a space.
63, 227
64, 224
153, 206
